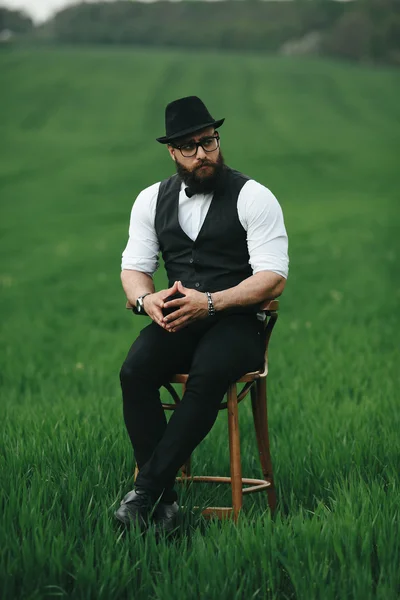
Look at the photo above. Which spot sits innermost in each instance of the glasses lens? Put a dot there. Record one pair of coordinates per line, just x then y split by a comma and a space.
210, 144
188, 149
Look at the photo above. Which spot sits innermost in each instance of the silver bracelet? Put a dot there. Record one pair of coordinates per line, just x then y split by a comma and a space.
211, 309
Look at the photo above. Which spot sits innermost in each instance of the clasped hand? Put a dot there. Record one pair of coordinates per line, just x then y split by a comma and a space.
191, 307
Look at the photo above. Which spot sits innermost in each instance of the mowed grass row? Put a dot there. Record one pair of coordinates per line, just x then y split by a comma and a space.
77, 130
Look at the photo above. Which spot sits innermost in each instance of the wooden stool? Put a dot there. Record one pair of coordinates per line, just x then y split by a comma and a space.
255, 383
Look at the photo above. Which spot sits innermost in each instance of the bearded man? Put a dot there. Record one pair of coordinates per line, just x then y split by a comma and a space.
224, 245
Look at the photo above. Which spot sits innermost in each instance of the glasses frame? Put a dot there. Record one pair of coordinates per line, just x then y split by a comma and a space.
197, 144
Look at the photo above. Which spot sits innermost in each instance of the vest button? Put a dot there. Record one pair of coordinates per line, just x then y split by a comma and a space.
191, 261
197, 284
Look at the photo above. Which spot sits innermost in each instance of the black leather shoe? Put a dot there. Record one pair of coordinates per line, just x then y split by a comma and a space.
165, 517
137, 506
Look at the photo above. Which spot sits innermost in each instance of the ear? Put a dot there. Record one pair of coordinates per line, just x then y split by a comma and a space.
171, 151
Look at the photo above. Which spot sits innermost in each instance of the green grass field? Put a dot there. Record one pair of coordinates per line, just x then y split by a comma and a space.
77, 145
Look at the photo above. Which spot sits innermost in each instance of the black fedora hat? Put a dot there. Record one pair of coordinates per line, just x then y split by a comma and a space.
184, 116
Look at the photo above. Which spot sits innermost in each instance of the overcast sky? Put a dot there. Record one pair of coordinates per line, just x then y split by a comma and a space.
39, 10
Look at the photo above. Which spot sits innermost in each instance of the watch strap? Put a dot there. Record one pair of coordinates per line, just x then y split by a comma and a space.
139, 303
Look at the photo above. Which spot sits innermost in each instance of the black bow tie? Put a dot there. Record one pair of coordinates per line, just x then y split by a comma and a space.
189, 193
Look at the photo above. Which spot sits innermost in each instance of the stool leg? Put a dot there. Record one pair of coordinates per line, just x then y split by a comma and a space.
186, 469
234, 450
260, 416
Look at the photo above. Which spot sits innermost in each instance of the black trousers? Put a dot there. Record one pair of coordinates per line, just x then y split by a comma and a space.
215, 352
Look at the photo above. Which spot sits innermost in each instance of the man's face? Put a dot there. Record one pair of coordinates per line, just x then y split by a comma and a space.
201, 171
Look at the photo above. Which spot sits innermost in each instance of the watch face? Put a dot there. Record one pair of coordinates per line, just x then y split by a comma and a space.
139, 304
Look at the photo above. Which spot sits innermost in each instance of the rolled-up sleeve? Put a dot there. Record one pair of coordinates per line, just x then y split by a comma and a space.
262, 218
142, 250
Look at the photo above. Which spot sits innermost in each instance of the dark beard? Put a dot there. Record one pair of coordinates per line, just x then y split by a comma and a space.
202, 185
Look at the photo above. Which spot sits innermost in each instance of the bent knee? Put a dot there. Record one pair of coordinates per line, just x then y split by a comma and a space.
137, 368
131, 371
125, 373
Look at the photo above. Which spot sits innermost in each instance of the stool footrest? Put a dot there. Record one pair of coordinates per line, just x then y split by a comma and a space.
221, 512
256, 485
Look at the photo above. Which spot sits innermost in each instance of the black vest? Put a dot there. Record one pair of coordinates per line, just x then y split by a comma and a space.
218, 259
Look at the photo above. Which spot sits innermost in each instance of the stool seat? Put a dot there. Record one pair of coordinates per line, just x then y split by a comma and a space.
255, 384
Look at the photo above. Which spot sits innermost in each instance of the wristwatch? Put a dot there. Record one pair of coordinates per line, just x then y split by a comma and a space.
139, 310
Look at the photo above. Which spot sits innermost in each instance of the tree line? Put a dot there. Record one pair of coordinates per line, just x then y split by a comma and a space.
362, 30
15, 21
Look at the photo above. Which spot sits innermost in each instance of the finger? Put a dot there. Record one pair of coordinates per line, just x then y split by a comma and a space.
173, 289
178, 323
177, 314
179, 328
158, 322
167, 293
158, 317
177, 303
181, 288
159, 304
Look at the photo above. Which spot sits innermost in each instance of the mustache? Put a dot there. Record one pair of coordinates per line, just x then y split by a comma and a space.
205, 163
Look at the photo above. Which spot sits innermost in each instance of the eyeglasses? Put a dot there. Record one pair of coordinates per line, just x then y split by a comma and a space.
209, 144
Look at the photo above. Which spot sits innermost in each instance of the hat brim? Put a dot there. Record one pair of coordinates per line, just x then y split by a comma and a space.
167, 139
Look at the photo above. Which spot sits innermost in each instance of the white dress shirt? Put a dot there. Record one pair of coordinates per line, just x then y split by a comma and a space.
259, 213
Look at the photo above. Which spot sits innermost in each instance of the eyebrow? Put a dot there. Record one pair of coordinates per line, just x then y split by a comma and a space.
192, 140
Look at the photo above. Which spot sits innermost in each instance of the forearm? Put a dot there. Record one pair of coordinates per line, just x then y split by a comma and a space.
259, 288
135, 284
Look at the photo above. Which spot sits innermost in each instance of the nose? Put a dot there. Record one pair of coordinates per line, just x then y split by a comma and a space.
200, 152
